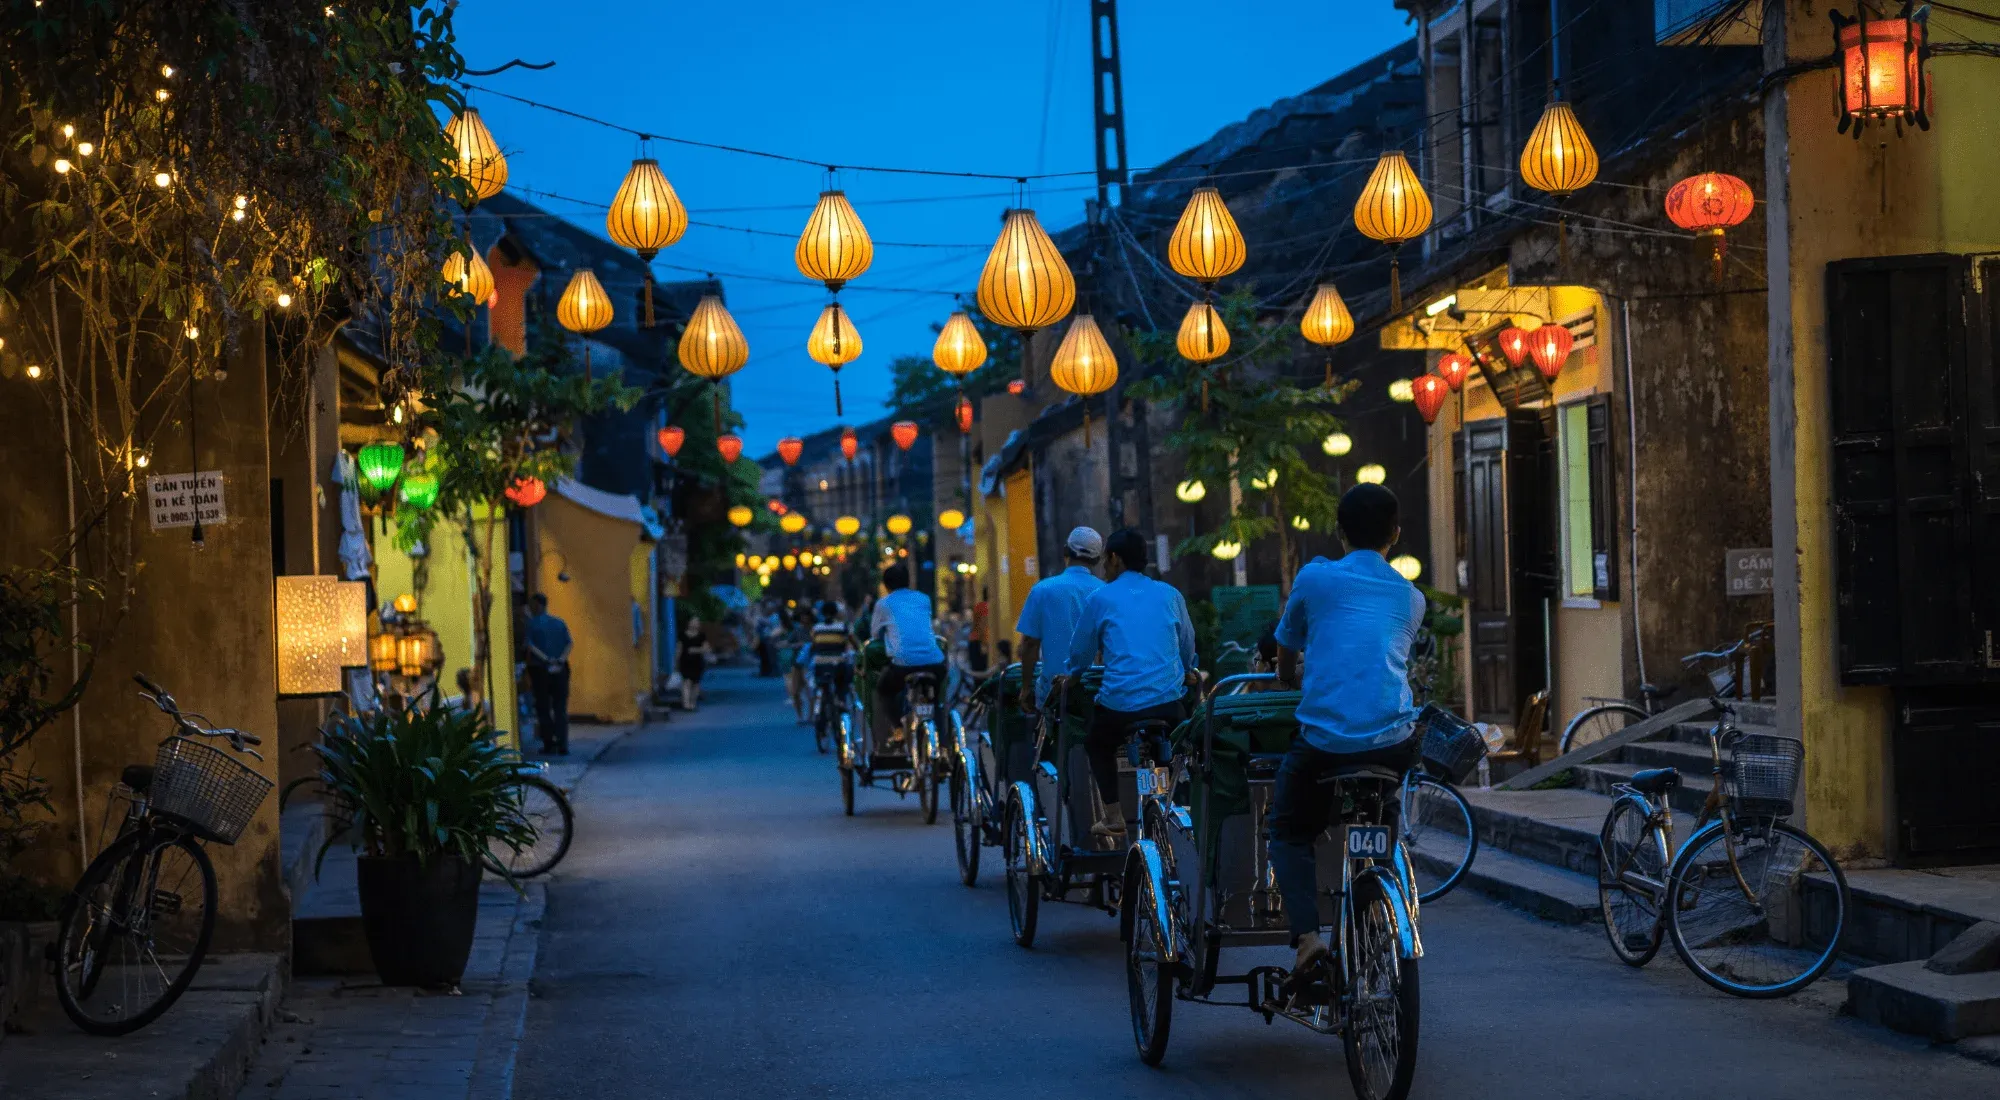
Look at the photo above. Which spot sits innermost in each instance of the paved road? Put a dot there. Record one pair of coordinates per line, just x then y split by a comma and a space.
721, 931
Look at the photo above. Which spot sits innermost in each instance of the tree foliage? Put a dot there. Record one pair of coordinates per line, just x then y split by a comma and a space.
919, 388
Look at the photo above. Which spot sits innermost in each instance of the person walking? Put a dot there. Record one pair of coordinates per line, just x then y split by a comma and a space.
1354, 621
1050, 613
693, 661
548, 645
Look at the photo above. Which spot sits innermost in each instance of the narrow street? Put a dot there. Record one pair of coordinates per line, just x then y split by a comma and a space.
721, 931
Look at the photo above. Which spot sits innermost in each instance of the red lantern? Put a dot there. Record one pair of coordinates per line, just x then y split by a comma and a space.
1017, 387
1550, 345
1709, 204
964, 413
1882, 70
790, 448
1428, 393
731, 447
904, 432
777, 507
1514, 345
527, 492
849, 445
671, 439
1453, 368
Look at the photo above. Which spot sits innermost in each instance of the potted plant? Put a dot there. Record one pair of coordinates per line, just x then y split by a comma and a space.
421, 791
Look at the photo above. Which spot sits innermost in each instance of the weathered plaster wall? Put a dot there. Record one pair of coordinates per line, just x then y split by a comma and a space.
596, 551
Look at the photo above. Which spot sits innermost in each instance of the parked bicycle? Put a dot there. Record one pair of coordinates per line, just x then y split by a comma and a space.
1435, 819
547, 809
1720, 667
136, 927
1756, 907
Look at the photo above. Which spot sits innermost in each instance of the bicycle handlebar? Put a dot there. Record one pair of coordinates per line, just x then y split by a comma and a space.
187, 723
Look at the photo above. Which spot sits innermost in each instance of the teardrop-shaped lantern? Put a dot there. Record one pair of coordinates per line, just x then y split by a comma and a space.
471, 278
380, 464
476, 157
526, 492
790, 448
1550, 345
730, 446
1453, 367
1206, 244
646, 216
1203, 338
420, 489
963, 413
742, 515
1558, 158
834, 342
1393, 208
1428, 394
1514, 345
847, 526
713, 347
671, 438
584, 307
834, 247
1083, 364
1327, 321
1709, 205
792, 524
850, 444
960, 349
904, 432
1026, 284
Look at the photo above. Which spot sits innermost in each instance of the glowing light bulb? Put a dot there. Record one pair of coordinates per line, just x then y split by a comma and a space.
162, 179
167, 70
236, 215
284, 300
161, 95
142, 460
62, 167
241, 202
191, 331
68, 130
396, 414
85, 148
34, 372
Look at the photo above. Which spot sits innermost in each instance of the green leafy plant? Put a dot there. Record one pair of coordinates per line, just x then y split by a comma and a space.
32, 634
25, 815
1434, 669
424, 782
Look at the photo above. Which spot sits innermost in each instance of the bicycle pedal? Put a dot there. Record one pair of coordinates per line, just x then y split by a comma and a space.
166, 901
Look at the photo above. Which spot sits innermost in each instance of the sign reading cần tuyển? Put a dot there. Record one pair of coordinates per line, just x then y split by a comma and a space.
177, 500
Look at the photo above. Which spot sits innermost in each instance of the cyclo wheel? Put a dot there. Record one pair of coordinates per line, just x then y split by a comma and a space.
822, 720
1439, 832
1380, 1039
1594, 724
1753, 945
1631, 875
134, 931
1147, 978
1024, 892
926, 777
544, 806
964, 830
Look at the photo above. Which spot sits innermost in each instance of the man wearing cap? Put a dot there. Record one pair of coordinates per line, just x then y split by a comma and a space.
1050, 613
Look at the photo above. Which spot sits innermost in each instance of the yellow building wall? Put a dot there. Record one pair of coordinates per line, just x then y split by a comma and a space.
445, 603
1020, 544
597, 552
641, 657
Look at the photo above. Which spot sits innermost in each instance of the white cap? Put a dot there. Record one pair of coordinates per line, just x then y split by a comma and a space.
1084, 543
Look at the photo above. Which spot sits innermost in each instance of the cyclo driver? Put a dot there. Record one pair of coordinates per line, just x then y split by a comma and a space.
1142, 629
1050, 613
832, 643
1355, 620
902, 620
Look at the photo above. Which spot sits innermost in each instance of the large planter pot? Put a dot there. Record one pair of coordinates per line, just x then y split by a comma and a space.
419, 919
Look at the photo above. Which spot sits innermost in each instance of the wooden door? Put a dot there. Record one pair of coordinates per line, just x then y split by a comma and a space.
1489, 606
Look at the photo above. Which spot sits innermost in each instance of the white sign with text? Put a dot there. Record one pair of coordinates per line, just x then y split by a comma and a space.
177, 500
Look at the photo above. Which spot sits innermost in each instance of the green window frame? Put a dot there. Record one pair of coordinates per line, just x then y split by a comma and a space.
1589, 539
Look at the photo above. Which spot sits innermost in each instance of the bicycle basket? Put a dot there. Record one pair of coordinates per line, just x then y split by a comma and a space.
1452, 745
205, 789
1765, 773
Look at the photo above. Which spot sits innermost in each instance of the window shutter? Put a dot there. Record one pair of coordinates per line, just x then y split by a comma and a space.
1603, 501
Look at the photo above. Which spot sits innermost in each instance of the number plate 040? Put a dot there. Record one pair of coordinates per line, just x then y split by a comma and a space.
1368, 842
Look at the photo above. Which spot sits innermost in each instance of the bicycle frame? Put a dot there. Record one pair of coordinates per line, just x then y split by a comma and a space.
1660, 817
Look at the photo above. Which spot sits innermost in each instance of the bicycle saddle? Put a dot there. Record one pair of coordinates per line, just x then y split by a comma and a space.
1145, 726
139, 777
920, 678
1655, 780
1265, 765
1362, 771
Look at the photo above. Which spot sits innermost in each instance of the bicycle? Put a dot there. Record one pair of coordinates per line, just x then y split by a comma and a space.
1435, 819
827, 702
135, 928
1608, 716
1733, 897
547, 809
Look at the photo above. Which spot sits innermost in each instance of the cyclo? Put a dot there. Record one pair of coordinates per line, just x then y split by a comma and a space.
1199, 879
915, 757
995, 750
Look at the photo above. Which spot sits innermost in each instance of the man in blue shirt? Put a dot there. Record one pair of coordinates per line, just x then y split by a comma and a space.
548, 645
1354, 619
1141, 628
1051, 612
902, 620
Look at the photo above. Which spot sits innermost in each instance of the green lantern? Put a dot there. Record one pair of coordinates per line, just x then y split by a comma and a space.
380, 463
420, 490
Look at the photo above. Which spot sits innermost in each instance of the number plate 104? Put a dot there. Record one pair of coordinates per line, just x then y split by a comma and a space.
1368, 842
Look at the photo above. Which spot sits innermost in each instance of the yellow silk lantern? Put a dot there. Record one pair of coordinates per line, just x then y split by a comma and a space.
1203, 338
792, 523
470, 277
476, 157
1206, 244
646, 216
584, 308
1327, 323
898, 525
1025, 285
834, 342
834, 247
951, 519
848, 526
741, 515
1393, 208
1558, 157
959, 349
1084, 364
713, 346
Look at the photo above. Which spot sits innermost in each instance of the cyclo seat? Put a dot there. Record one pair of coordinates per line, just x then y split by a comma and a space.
1362, 771
139, 777
1655, 780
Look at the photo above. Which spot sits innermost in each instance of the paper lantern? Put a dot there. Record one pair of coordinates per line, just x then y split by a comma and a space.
476, 157
791, 561
1191, 491
1514, 345
1402, 389
1407, 565
834, 246
951, 519
351, 599
405, 604
1263, 482
776, 506
584, 308
1337, 444
741, 515
850, 445
671, 438
1327, 321
420, 490
1550, 346
963, 414
1882, 73
308, 622
730, 446
847, 526
713, 346
1393, 208
790, 448
380, 465
417, 652
960, 349
1371, 474
1453, 367
1709, 205
1206, 244
1429, 394
1301, 523
792, 523
1202, 338
834, 342
1017, 387
526, 492
467, 273
1226, 550
382, 652
1558, 157
904, 432
1025, 285
646, 216
1083, 364
897, 524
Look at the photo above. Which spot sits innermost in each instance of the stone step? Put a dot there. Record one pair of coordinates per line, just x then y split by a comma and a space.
1696, 733
1691, 759
1898, 915
1545, 891
1910, 998
1687, 799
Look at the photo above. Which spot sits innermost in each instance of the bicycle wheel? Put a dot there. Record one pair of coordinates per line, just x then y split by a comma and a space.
964, 830
1440, 836
544, 806
1024, 893
1631, 876
1148, 980
822, 722
1383, 1007
1737, 907
1594, 724
927, 778
134, 931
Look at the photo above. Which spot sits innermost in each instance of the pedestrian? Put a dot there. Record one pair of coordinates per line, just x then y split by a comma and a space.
1050, 613
792, 658
1354, 621
765, 630
693, 661
548, 645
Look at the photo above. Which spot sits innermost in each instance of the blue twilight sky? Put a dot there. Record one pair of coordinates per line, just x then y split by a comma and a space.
971, 85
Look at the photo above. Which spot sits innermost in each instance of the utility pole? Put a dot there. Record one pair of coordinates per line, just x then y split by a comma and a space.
1107, 88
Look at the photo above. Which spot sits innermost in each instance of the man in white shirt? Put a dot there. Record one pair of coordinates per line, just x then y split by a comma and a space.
902, 620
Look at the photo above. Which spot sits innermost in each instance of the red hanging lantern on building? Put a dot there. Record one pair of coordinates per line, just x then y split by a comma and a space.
671, 439
964, 416
1708, 205
1453, 368
1550, 345
1017, 387
1882, 74
526, 492
1428, 394
730, 446
1514, 345
904, 432
790, 448
849, 445
777, 507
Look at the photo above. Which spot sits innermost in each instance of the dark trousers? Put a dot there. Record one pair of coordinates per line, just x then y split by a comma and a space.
1109, 730
889, 694
551, 707
1302, 806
